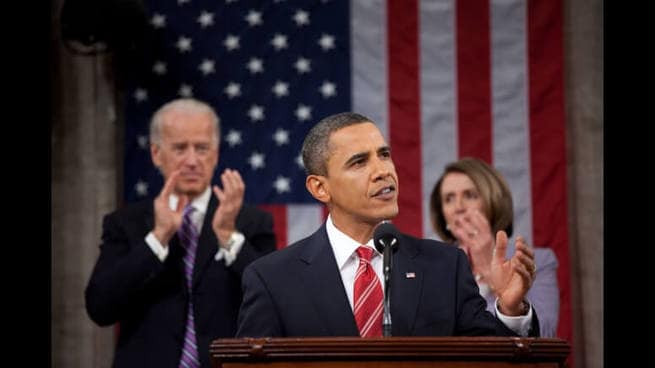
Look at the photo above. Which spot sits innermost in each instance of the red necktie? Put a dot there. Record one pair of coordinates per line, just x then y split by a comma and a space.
368, 296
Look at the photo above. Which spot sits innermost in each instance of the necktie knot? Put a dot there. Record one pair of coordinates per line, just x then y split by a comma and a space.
364, 253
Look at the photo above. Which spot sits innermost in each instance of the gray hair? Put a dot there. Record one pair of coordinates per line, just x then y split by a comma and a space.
315, 148
188, 105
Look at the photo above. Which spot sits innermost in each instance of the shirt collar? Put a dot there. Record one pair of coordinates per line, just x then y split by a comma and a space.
342, 245
199, 203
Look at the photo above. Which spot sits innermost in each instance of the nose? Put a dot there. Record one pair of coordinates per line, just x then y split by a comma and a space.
191, 157
459, 204
381, 169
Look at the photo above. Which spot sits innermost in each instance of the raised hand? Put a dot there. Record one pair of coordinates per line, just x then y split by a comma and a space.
512, 278
473, 233
167, 221
230, 200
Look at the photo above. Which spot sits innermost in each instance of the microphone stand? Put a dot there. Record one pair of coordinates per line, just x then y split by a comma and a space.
386, 268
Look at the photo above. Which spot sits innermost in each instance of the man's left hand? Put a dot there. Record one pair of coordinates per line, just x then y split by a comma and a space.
230, 200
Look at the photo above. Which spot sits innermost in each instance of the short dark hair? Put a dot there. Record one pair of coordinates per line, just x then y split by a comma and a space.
315, 148
495, 193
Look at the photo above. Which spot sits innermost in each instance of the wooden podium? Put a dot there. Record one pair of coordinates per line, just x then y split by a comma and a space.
390, 352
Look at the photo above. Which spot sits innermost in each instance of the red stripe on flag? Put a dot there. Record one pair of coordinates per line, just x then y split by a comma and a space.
474, 79
405, 111
548, 145
279, 213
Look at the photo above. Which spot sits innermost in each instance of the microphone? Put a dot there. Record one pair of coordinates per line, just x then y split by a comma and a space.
385, 239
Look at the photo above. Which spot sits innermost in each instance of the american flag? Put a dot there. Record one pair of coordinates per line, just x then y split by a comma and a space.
441, 78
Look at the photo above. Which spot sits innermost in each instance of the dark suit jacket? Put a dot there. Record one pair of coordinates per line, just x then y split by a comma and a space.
130, 285
298, 291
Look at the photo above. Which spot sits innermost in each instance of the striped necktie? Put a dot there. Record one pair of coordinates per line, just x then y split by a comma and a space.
367, 296
189, 237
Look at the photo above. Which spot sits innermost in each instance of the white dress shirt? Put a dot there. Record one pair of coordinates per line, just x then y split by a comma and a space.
200, 205
344, 248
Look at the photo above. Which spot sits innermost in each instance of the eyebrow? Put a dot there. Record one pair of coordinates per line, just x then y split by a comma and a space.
365, 155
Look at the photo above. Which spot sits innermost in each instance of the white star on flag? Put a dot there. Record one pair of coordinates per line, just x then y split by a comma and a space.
159, 68
141, 188
327, 42
158, 21
254, 18
231, 42
143, 141
256, 160
255, 66
140, 94
281, 89
328, 89
303, 112
279, 41
302, 65
256, 113
206, 19
233, 90
233, 137
183, 44
185, 90
206, 67
301, 18
282, 184
281, 137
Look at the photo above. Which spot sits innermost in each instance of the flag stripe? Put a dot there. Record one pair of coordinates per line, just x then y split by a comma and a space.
474, 78
280, 224
404, 111
511, 150
302, 221
438, 97
369, 61
547, 142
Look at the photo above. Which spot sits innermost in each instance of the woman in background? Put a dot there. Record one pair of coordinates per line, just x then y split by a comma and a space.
469, 205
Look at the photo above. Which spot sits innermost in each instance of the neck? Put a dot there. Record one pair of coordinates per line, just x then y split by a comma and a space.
361, 232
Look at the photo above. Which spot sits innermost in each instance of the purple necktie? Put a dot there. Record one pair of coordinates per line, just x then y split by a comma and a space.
189, 237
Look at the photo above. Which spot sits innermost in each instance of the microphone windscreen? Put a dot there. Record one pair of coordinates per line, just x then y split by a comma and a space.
385, 234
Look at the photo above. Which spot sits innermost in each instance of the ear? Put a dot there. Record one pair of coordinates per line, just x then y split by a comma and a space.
155, 154
318, 187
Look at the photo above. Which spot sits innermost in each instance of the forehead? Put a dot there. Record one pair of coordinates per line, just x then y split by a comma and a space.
185, 125
456, 181
356, 139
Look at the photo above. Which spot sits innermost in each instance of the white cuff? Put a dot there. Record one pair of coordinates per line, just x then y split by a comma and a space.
160, 251
234, 245
518, 324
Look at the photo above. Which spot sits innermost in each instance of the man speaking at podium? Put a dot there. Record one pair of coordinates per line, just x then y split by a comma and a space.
329, 284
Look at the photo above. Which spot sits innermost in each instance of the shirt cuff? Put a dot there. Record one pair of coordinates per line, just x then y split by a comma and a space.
160, 251
518, 324
230, 253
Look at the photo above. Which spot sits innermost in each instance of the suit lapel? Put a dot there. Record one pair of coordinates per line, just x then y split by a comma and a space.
406, 285
207, 242
320, 274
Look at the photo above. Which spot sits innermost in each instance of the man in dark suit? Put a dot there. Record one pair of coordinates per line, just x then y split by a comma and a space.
313, 287
169, 270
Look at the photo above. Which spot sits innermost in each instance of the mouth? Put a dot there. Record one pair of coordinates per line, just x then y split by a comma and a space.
385, 193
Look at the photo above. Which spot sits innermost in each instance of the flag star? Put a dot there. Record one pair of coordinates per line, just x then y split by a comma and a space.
282, 184
230, 1
301, 18
159, 68
326, 41
255, 66
256, 113
279, 41
183, 44
233, 137
141, 188
328, 89
182, 1
185, 90
281, 137
299, 161
254, 18
281, 89
303, 65
140, 94
233, 90
206, 19
206, 67
231, 42
256, 160
158, 20
143, 141
303, 112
